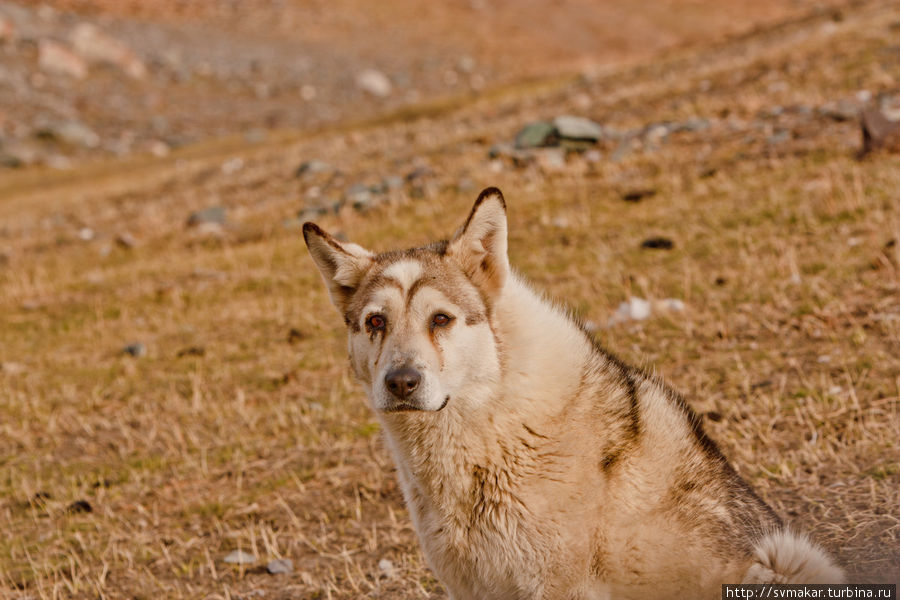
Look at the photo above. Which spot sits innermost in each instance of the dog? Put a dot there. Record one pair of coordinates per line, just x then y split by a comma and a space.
534, 463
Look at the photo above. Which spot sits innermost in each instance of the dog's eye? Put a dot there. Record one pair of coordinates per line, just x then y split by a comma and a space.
440, 320
376, 322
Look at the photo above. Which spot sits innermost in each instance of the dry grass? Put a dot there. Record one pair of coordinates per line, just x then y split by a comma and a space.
787, 256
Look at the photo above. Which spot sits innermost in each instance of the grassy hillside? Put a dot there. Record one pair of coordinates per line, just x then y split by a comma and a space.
239, 426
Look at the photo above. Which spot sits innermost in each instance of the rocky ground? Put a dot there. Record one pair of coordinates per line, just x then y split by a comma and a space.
178, 418
101, 79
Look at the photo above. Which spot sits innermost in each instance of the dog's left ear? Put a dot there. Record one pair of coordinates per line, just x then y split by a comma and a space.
480, 244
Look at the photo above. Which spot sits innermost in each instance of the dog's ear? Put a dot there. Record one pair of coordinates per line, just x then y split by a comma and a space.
342, 265
480, 244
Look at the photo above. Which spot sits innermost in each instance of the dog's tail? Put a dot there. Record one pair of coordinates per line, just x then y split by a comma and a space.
787, 557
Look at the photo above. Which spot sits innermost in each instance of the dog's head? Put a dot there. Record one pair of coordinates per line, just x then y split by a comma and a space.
418, 320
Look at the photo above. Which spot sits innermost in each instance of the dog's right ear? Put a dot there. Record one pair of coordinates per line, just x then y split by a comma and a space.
342, 265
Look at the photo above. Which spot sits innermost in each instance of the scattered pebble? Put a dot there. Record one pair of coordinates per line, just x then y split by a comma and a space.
374, 82
55, 58
75, 133
295, 335
386, 567
879, 132
191, 351
638, 309
232, 165
80, 506
280, 566
638, 194
536, 135
125, 240
12, 368
239, 557
577, 128
658, 243
212, 215
135, 349
312, 166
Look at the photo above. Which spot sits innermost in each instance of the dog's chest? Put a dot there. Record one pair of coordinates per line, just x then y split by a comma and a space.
479, 536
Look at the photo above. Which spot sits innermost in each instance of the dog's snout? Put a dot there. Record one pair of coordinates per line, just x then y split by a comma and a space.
402, 382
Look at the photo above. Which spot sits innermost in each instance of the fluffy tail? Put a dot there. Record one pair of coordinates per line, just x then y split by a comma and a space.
787, 557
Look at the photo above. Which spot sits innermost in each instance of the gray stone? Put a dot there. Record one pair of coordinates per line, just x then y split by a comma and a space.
536, 135
56, 58
281, 566
212, 215
95, 46
309, 167
70, 132
578, 128
841, 110
135, 349
374, 82
392, 182
239, 557
359, 196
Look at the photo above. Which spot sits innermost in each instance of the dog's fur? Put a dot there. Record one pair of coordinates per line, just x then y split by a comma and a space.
534, 463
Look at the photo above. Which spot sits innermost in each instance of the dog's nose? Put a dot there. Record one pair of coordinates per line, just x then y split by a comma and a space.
402, 382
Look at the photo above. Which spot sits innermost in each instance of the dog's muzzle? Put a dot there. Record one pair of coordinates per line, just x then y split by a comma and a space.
403, 383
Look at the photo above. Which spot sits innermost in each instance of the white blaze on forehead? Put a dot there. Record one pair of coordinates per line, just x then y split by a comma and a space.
405, 272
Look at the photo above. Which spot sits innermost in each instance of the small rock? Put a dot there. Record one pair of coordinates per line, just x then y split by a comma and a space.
232, 165
80, 506
191, 351
359, 196
551, 160
879, 132
74, 133
56, 58
312, 166
307, 92
135, 349
374, 82
419, 173
392, 182
386, 567
778, 137
86, 234
577, 128
212, 215
657, 132
841, 110
635, 309
125, 240
638, 194
12, 368
239, 557
95, 46
693, 124
255, 135
669, 305
593, 156
158, 148
18, 155
280, 566
658, 243
536, 135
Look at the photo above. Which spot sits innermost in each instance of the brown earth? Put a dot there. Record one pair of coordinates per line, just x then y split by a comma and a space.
236, 424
